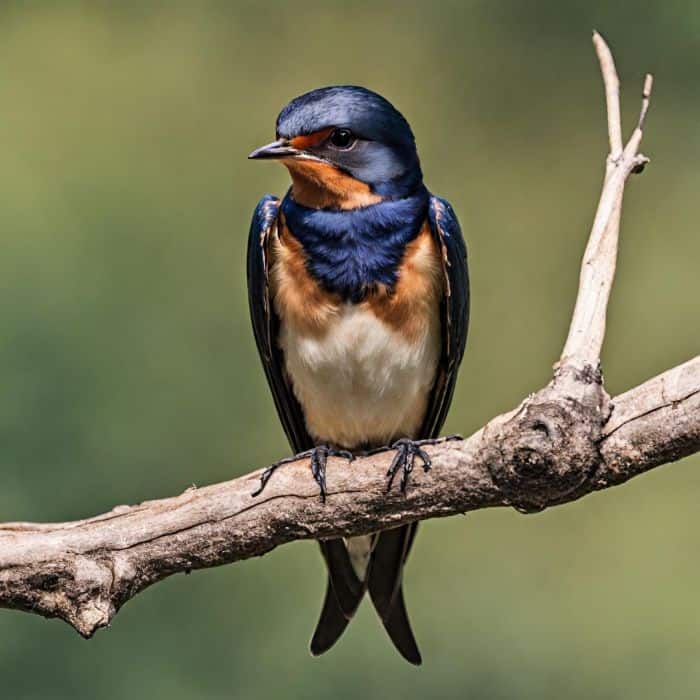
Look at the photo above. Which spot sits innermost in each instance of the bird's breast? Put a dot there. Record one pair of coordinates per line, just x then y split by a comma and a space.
362, 372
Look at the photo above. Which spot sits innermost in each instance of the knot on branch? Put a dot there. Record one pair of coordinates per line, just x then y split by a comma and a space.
549, 449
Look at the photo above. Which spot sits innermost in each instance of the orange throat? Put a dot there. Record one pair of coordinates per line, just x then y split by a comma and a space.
320, 185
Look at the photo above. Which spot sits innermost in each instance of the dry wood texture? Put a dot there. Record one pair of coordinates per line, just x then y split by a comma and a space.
563, 442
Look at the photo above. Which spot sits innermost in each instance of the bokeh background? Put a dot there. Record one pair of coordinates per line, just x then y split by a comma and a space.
128, 370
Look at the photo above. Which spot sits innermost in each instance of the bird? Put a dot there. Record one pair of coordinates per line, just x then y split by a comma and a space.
358, 290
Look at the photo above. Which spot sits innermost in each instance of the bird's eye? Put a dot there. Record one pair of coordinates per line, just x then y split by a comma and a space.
342, 138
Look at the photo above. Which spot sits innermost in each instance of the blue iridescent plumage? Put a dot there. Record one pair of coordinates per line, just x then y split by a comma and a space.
352, 251
349, 250
384, 156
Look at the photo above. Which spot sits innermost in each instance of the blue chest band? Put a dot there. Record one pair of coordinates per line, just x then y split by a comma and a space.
351, 251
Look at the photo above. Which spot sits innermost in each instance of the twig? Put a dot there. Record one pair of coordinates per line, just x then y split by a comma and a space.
587, 330
612, 94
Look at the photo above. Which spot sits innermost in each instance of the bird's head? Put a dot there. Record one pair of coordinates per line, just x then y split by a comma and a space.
345, 147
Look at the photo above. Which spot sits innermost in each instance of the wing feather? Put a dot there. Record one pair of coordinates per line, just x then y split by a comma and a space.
266, 323
454, 312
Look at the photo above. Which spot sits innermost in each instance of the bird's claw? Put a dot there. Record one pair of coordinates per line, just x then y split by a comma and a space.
404, 459
319, 458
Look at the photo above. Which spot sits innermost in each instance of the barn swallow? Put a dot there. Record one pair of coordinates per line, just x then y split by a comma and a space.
359, 299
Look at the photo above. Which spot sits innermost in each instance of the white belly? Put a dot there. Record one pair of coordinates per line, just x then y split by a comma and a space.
361, 383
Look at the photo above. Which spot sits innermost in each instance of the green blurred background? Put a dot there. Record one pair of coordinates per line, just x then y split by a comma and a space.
128, 370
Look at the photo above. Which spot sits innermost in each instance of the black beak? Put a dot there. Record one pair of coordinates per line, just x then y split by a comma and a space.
276, 149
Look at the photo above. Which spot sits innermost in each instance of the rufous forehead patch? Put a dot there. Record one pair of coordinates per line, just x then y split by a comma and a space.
303, 142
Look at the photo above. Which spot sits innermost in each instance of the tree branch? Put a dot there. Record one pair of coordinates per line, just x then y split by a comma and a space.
563, 442
587, 329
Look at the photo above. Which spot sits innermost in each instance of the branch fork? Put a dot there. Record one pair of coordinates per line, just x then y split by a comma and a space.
566, 440
549, 449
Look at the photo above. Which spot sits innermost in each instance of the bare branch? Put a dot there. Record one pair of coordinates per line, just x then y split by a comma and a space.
612, 94
587, 329
563, 442
668, 404
84, 571
646, 96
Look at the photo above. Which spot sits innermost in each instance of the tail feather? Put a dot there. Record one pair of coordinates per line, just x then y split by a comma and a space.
331, 624
385, 574
386, 567
345, 590
348, 588
399, 629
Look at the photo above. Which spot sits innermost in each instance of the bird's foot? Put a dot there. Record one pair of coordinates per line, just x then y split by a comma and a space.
318, 457
404, 460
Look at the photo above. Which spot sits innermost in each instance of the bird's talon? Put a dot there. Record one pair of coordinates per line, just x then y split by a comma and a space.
318, 469
318, 456
264, 478
404, 460
406, 472
424, 458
